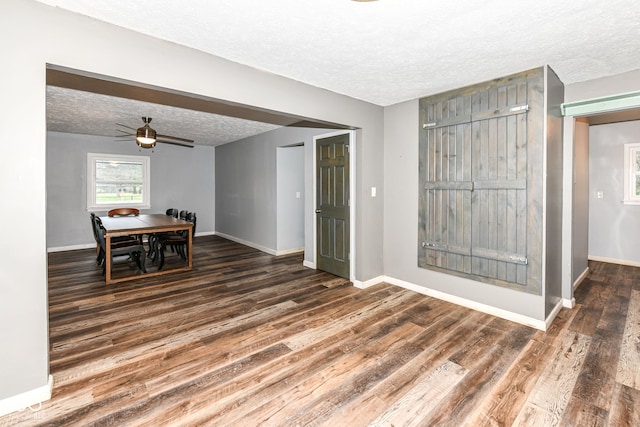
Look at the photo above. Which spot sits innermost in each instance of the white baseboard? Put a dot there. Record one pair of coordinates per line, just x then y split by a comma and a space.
614, 261
29, 399
554, 313
290, 251
494, 311
205, 233
569, 303
72, 247
309, 264
270, 251
247, 243
368, 283
580, 278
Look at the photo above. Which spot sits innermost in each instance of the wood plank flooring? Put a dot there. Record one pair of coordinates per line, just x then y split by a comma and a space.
249, 339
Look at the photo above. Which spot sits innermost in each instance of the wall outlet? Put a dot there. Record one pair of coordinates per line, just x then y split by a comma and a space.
600, 195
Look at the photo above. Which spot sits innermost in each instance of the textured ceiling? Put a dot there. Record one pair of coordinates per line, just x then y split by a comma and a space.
100, 114
389, 51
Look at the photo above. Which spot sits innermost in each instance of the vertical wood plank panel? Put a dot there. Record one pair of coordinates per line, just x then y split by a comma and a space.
511, 202
535, 200
438, 217
452, 199
473, 210
431, 195
522, 169
492, 173
467, 172
501, 174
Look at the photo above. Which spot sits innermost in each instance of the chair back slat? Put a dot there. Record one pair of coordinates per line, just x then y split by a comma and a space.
124, 212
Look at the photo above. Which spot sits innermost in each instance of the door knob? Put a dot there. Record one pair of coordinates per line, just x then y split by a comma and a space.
318, 210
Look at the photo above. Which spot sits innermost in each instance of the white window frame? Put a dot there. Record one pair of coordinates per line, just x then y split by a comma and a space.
630, 152
92, 158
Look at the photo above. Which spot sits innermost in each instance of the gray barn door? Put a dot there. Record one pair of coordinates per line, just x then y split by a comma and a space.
475, 201
332, 204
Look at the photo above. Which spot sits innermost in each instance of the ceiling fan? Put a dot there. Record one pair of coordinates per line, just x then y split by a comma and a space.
147, 137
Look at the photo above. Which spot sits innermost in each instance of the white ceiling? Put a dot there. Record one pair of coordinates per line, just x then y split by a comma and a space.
389, 51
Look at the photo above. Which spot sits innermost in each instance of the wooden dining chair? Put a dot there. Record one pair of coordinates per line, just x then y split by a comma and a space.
117, 212
96, 226
133, 248
124, 212
178, 241
153, 237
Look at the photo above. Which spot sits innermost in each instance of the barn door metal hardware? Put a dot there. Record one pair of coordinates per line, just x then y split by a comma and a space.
519, 259
484, 115
519, 108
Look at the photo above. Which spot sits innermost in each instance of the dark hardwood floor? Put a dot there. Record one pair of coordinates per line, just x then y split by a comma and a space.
247, 339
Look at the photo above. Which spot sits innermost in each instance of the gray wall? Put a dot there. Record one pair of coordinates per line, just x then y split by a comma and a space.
290, 197
246, 187
553, 192
603, 86
613, 226
580, 222
180, 177
75, 41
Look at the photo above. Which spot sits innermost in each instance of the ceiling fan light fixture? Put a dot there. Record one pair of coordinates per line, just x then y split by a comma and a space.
146, 135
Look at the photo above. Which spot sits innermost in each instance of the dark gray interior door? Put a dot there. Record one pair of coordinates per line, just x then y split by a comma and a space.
332, 204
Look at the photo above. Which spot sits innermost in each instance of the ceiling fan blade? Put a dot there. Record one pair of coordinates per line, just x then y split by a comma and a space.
175, 138
125, 126
181, 144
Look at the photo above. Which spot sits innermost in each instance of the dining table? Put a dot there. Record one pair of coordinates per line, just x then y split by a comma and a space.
140, 225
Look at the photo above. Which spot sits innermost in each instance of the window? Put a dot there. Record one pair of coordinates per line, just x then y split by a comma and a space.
116, 181
632, 173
